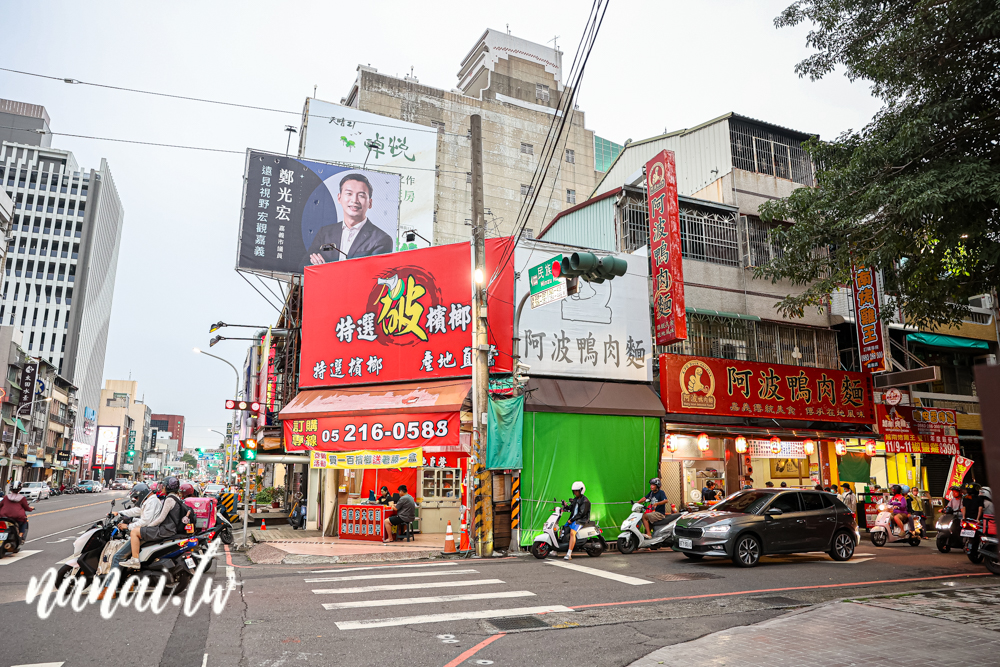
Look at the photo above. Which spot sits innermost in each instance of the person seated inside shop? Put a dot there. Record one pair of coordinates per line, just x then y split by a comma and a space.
406, 510
709, 492
384, 497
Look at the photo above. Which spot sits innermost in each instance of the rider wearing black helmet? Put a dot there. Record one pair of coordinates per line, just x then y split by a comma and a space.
145, 507
164, 524
657, 505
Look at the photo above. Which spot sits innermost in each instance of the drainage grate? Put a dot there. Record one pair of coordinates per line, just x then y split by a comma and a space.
518, 623
778, 601
687, 576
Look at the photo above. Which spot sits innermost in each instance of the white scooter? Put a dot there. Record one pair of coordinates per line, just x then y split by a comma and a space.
885, 529
632, 537
588, 538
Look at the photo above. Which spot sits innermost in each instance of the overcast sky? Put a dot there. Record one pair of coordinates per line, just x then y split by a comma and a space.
656, 65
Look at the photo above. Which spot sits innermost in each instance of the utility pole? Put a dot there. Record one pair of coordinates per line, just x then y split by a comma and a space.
483, 478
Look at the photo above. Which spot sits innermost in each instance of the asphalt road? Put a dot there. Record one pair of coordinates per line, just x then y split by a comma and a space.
609, 610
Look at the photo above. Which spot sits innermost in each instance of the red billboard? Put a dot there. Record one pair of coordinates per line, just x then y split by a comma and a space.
912, 430
371, 432
669, 316
706, 386
403, 317
871, 335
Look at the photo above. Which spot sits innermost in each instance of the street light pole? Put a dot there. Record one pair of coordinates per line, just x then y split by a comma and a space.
236, 395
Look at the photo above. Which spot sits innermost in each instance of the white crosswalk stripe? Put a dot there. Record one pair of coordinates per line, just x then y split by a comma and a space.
441, 618
392, 575
380, 567
20, 555
357, 604
614, 576
407, 587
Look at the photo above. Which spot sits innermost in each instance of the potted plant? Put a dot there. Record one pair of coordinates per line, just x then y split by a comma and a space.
277, 496
264, 496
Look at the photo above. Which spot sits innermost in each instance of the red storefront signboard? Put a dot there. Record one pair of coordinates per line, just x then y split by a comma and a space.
403, 316
669, 316
706, 386
349, 433
871, 335
912, 430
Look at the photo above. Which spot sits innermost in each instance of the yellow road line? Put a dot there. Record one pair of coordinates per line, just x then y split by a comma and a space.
34, 514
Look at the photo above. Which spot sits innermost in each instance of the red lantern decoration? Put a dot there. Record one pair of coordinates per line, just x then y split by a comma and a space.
703, 442
775, 445
808, 446
671, 443
741, 444
870, 447
841, 446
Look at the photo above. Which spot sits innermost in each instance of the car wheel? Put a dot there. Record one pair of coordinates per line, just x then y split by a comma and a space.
627, 543
691, 556
843, 546
942, 544
746, 552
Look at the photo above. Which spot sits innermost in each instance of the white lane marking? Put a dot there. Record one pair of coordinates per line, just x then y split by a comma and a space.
859, 554
21, 555
43, 664
408, 587
427, 600
441, 618
374, 567
399, 575
853, 560
614, 576
231, 582
204, 661
60, 532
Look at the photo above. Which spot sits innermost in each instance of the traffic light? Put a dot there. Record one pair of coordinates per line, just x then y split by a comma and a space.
249, 452
232, 404
588, 266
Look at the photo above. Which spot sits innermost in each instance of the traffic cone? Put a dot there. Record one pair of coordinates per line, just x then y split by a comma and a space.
263, 524
464, 546
449, 540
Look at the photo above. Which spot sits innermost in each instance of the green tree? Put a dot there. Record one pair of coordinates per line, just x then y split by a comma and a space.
916, 192
189, 459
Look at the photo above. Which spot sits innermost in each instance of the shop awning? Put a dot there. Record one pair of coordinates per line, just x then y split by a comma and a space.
21, 426
949, 342
8, 421
716, 313
440, 396
15, 385
592, 398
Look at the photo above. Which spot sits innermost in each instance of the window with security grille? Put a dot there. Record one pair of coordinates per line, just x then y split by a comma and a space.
761, 242
709, 236
571, 196
764, 151
541, 92
527, 190
570, 156
527, 149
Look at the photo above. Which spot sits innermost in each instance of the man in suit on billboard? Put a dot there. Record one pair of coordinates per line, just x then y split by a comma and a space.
356, 236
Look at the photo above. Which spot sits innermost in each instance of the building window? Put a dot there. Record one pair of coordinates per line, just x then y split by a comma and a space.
527, 190
570, 156
709, 237
760, 239
527, 149
571, 196
541, 92
762, 151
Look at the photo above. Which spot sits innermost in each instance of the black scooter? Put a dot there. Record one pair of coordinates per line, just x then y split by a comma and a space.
10, 537
949, 528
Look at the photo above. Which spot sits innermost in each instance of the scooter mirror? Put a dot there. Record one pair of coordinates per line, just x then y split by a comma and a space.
112, 503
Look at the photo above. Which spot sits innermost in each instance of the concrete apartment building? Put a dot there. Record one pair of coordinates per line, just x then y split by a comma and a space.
62, 252
121, 407
172, 424
516, 86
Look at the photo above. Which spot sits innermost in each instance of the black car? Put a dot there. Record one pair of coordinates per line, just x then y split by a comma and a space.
758, 522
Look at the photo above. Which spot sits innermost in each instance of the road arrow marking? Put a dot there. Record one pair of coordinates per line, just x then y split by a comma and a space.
614, 576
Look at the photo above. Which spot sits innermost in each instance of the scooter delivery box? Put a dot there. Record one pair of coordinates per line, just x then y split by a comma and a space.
204, 510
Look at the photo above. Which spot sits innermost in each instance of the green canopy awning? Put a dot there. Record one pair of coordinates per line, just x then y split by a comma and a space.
8, 421
14, 385
716, 313
950, 342
21, 426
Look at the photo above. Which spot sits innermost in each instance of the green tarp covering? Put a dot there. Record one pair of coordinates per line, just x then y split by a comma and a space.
854, 467
613, 456
503, 434
21, 426
951, 342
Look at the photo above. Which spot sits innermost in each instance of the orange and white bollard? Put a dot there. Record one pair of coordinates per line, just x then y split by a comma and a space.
449, 541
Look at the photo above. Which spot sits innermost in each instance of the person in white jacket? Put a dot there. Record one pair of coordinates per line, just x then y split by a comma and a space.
145, 507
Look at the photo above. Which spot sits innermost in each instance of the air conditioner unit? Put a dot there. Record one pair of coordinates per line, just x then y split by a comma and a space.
981, 301
729, 348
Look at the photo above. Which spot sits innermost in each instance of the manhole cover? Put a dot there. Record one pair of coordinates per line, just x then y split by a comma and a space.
779, 601
518, 623
687, 576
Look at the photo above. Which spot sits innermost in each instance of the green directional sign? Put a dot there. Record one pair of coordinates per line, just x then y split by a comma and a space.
546, 282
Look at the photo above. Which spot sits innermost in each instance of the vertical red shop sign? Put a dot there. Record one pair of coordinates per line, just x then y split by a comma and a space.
669, 316
871, 336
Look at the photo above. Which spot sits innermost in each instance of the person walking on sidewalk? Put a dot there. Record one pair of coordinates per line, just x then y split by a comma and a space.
849, 498
406, 511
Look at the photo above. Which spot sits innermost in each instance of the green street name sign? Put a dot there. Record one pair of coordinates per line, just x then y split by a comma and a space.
545, 282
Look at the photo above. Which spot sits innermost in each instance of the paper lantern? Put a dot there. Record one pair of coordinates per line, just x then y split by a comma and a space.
671, 443
841, 447
741, 444
870, 447
703, 442
775, 445
808, 446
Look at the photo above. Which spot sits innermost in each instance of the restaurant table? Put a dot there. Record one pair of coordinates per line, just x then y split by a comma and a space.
363, 522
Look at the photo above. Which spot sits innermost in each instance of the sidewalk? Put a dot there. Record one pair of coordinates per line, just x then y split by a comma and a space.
942, 627
284, 545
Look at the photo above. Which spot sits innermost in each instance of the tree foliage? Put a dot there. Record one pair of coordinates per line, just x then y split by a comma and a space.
916, 192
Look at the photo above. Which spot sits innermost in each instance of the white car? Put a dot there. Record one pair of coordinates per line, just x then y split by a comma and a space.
35, 491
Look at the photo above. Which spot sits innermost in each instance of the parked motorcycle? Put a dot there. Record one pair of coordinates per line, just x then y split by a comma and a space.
949, 527
972, 536
885, 530
588, 538
632, 537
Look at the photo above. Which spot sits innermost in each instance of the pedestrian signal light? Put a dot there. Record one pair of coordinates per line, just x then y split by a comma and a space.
249, 449
233, 404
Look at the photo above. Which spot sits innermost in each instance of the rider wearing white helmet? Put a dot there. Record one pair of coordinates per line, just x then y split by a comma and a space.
579, 513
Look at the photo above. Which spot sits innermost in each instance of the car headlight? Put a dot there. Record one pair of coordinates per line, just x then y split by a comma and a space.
717, 529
